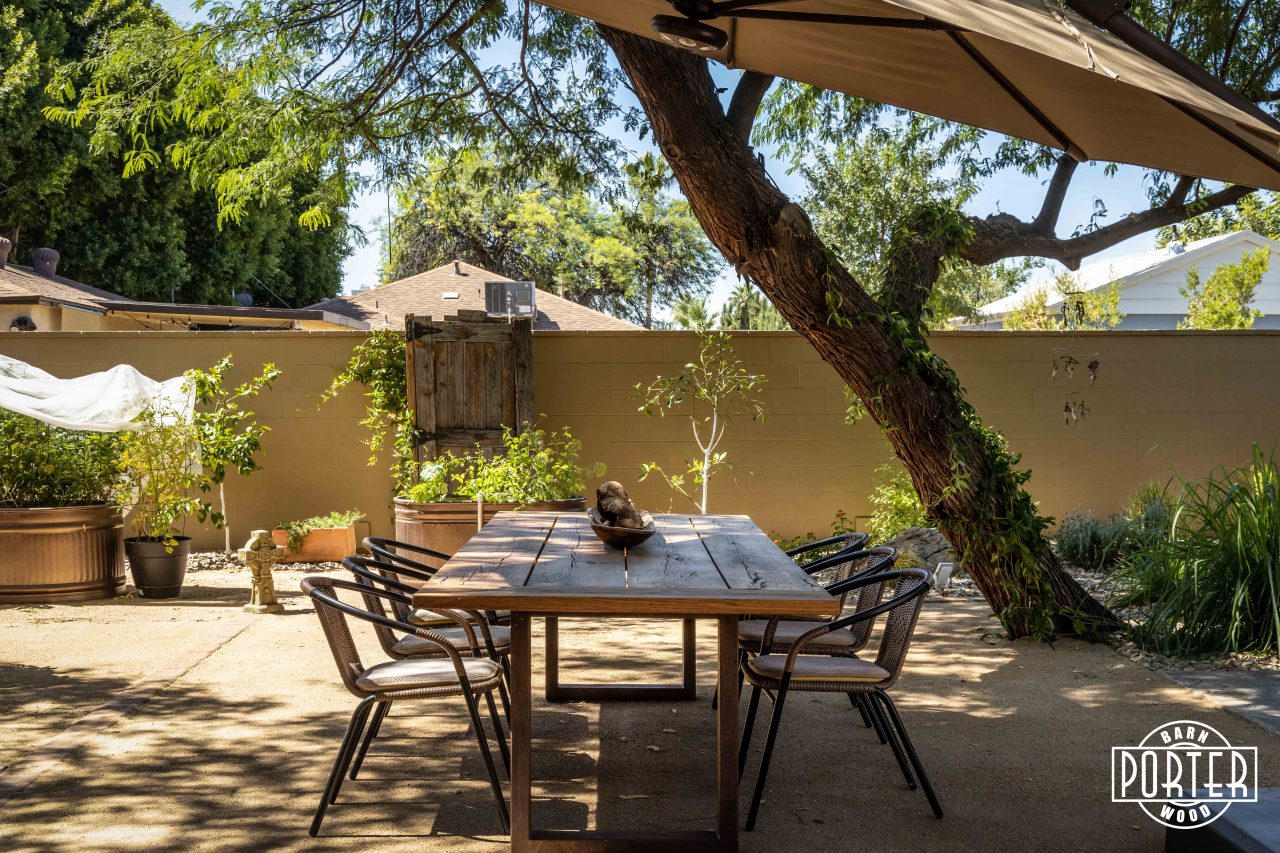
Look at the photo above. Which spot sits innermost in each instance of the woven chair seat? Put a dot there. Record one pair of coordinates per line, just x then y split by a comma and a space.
412, 644
816, 668
425, 673
752, 632
429, 618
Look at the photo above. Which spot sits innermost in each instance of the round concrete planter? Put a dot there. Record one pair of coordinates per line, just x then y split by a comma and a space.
447, 525
157, 571
68, 553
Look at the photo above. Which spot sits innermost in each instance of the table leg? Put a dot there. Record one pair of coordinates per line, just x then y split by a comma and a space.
727, 733
522, 732
686, 691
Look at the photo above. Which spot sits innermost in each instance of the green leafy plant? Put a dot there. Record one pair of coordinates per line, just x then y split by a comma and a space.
535, 465
1225, 300
1212, 582
162, 475
895, 506
712, 391
1088, 542
229, 436
298, 530
378, 363
42, 465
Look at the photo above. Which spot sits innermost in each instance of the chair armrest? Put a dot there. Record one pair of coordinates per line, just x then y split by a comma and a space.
859, 538
863, 615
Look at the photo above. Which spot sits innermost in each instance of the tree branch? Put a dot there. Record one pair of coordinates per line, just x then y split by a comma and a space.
745, 103
1003, 236
1047, 219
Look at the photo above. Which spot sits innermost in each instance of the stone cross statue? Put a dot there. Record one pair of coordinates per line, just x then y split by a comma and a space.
260, 554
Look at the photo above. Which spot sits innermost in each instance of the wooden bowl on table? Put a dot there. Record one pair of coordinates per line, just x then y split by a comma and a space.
620, 537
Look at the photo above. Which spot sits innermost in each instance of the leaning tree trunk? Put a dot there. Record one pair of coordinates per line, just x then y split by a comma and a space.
963, 476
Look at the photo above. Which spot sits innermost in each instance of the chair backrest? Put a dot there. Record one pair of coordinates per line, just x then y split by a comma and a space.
878, 559
847, 541
392, 551
855, 562
900, 624
374, 574
333, 621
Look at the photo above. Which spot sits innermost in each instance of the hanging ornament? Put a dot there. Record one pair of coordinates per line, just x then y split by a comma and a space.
1093, 372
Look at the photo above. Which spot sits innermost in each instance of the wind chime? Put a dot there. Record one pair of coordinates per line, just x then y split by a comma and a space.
1067, 361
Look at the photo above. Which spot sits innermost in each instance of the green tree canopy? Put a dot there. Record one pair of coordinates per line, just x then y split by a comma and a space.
627, 255
152, 238
860, 193
747, 308
1223, 302
1098, 308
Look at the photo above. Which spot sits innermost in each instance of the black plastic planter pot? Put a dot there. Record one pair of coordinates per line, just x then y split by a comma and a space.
157, 572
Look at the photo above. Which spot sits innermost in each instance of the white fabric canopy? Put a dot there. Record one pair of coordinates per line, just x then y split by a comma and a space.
99, 402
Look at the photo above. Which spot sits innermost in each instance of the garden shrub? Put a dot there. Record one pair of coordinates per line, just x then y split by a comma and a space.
895, 507
43, 465
1212, 579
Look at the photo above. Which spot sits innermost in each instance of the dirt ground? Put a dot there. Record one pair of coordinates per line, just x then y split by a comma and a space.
219, 727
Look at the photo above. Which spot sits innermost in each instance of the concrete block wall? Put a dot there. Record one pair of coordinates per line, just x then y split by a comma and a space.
1164, 401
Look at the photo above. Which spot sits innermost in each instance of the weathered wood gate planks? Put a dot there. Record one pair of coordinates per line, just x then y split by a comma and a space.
468, 376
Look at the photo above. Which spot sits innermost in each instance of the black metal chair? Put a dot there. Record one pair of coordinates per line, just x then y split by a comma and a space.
392, 551
846, 541
848, 562
457, 626
780, 673
378, 686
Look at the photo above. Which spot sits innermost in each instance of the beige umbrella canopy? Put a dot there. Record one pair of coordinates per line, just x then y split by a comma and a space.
1026, 68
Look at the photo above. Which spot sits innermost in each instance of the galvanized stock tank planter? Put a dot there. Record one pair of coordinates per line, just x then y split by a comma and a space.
67, 553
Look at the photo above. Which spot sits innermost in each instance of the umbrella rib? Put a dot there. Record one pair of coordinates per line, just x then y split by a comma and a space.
1269, 162
855, 20
1074, 151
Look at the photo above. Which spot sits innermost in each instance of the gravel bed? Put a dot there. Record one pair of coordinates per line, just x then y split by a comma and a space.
220, 561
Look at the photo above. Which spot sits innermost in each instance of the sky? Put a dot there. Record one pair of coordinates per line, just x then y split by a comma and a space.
1009, 192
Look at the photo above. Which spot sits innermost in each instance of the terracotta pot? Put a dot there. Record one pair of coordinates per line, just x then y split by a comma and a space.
158, 570
448, 525
322, 545
67, 553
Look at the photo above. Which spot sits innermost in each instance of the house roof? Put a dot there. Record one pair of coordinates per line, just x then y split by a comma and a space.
23, 285
1128, 268
424, 295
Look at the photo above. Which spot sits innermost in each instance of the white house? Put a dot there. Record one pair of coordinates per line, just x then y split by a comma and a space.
1150, 281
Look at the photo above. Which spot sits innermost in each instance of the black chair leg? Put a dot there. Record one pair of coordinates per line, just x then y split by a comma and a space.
503, 750
862, 712
745, 746
868, 707
911, 752
502, 686
894, 743
768, 751
354, 727
374, 727
483, 740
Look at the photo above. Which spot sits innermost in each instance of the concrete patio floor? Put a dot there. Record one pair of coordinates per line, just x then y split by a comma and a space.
219, 728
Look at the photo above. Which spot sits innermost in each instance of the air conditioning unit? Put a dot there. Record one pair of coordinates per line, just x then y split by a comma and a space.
511, 298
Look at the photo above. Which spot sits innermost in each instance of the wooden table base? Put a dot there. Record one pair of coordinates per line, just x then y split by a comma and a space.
686, 691
724, 839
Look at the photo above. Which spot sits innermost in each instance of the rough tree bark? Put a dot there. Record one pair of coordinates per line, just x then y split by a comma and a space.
878, 352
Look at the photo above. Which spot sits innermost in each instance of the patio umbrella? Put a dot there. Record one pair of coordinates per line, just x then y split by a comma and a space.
1027, 68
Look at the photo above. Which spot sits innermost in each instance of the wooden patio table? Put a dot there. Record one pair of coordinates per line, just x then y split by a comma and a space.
550, 565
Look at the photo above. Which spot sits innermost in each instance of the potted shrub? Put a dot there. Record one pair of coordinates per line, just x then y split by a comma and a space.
538, 470
60, 536
162, 476
319, 539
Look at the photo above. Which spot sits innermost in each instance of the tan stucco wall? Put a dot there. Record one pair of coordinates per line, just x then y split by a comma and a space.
1190, 400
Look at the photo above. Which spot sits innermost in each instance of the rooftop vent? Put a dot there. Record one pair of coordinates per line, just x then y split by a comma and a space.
244, 300
22, 324
45, 262
6, 245
1177, 247
457, 268
510, 298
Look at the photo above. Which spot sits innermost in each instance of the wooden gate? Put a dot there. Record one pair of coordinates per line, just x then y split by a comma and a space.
468, 376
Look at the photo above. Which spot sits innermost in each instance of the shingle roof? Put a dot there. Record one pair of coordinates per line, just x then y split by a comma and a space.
17, 283
423, 295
